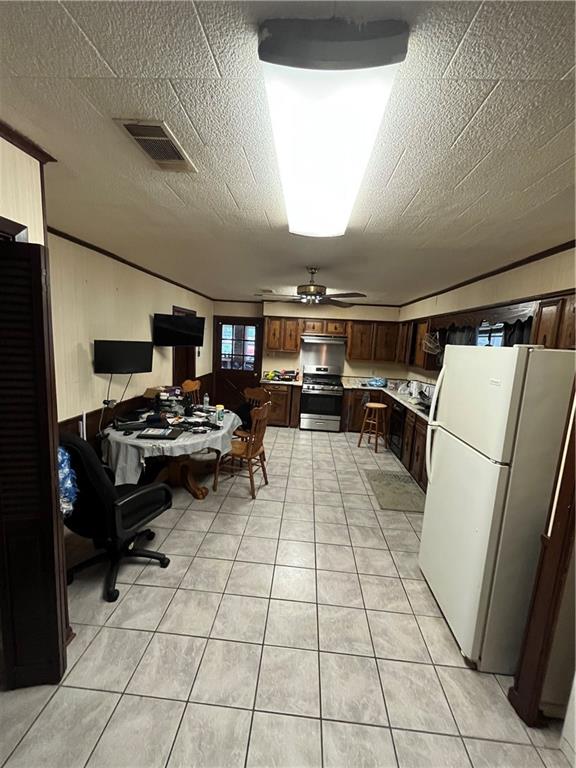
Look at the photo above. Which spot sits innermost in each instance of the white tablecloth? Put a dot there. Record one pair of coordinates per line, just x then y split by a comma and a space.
125, 454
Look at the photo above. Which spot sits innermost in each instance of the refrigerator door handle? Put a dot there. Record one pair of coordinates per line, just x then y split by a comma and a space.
429, 431
434, 403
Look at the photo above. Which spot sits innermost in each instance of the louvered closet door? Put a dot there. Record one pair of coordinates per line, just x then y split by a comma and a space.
32, 586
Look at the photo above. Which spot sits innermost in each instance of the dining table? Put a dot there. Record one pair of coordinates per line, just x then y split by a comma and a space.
126, 454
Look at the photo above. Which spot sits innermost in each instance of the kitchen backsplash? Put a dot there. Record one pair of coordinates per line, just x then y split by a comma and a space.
365, 370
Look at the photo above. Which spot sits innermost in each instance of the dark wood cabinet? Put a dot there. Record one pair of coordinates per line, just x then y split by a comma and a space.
408, 439
567, 330
548, 322
385, 341
273, 334
291, 335
336, 327
419, 332
360, 340
296, 393
280, 408
403, 343
418, 461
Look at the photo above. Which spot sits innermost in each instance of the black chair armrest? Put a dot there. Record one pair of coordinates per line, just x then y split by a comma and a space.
138, 507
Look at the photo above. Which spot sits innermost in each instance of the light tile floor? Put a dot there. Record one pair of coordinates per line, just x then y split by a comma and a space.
294, 630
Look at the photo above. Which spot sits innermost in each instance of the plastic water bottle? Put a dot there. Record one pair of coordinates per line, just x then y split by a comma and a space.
206, 400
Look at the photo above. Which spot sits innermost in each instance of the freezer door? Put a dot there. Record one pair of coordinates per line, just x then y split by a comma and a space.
479, 395
462, 520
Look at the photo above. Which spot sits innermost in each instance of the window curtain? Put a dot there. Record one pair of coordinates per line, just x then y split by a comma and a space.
518, 332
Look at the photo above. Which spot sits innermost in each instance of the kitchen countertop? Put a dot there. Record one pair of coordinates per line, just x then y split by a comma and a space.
289, 383
403, 399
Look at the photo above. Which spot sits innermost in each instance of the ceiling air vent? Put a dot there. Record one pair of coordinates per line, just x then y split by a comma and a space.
157, 141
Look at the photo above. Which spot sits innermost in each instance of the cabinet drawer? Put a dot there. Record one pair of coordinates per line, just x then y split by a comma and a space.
278, 387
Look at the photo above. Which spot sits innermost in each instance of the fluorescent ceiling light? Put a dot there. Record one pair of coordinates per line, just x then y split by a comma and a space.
327, 83
325, 124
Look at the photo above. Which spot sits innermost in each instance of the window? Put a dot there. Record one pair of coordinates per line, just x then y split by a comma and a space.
490, 335
238, 347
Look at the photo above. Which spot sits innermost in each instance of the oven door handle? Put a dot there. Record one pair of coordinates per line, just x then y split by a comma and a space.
326, 394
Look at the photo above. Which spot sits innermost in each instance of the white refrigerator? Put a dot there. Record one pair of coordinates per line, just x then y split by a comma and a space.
493, 443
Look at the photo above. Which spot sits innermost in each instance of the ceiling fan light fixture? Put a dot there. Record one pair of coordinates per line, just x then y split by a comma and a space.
327, 84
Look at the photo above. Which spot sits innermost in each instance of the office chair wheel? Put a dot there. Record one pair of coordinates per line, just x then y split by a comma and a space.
149, 534
112, 595
165, 562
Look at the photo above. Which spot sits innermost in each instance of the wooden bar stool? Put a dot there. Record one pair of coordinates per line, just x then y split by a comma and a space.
374, 423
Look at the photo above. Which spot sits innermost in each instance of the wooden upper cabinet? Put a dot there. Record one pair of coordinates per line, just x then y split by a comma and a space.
419, 357
273, 336
567, 330
314, 326
336, 327
291, 335
548, 322
360, 340
404, 343
385, 340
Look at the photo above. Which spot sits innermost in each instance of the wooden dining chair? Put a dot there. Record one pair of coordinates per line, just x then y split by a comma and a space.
192, 388
256, 397
249, 450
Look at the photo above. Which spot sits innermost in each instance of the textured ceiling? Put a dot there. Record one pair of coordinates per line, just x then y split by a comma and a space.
473, 167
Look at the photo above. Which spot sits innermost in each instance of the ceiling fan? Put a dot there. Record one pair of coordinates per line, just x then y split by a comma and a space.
314, 293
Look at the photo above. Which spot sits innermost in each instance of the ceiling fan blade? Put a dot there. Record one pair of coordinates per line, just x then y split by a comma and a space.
335, 303
351, 295
281, 296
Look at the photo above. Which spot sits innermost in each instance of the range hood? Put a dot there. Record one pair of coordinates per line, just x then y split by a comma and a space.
311, 339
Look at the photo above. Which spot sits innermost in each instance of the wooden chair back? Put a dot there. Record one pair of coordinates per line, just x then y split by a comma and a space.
192, 388
258, 430
256, 396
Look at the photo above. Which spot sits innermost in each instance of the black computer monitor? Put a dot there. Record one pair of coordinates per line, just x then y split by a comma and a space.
122, 356
178, 331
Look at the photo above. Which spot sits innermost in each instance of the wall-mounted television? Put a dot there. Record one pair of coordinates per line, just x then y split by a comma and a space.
122, 356
178, 331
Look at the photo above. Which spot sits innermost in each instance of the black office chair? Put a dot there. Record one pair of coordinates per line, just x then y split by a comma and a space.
112, 516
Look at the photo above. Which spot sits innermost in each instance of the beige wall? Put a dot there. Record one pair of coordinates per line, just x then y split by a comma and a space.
553, 274
238, 308
95, 297
20, 190
359, 312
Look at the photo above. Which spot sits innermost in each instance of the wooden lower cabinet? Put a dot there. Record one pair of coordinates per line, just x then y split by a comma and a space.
408, 439
280, 397
295, 406
418, 461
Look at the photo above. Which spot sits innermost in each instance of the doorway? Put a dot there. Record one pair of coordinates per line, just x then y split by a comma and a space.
183, 358
237, 359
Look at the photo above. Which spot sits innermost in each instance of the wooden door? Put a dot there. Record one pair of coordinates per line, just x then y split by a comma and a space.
404, 343
385, 340
314, 326
567, 330
548, 322
418, 452
183, 358
280, 408
419, 357
360, 340
32, 567
237, 358
291, 335
408, 439
359, 398
273, 334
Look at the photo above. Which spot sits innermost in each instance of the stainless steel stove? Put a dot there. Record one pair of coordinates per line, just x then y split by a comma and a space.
321, 401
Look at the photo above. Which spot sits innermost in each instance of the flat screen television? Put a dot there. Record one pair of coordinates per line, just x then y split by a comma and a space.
178, 331
122, 356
